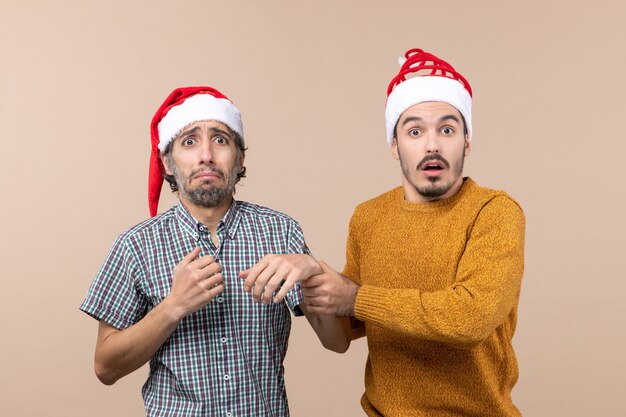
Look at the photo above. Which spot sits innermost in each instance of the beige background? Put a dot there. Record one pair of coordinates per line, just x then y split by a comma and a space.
80, 80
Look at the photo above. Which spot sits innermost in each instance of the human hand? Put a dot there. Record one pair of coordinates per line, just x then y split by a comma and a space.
196, 281
273, 270
330, 293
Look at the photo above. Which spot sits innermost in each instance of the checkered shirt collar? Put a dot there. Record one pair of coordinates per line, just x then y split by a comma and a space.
189, 224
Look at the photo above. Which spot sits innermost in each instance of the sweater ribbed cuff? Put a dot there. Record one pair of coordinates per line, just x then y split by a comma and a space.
371, 305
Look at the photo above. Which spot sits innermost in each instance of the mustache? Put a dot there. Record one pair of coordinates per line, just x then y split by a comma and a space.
209, 169
433, 157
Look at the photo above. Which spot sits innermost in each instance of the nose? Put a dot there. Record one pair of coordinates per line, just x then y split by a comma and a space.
432, 142
206, 154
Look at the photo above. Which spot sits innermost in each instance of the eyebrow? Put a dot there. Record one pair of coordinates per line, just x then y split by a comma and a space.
221, 132
211, 129
450, 117
441, 119
189, 132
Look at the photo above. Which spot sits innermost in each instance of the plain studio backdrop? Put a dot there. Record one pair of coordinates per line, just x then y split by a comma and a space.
80, 81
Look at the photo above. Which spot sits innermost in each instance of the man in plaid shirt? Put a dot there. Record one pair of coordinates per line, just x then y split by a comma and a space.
172, 292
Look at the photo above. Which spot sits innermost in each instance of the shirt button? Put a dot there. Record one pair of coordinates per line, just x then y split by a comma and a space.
223, 339
229, 414
226, 377
220, 299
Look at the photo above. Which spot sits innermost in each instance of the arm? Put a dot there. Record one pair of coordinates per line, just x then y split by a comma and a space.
196, 281
285, 271
329, 299
333, 332
463, 314
484, 293
290, 272
274, 271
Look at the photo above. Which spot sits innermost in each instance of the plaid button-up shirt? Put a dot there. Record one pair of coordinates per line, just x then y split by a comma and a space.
227, 358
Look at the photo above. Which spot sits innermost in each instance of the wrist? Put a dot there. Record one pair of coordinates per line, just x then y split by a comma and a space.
355, 293
172, 310
315, 268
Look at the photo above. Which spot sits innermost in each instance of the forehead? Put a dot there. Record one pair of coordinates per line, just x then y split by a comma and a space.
430, 110
207, 124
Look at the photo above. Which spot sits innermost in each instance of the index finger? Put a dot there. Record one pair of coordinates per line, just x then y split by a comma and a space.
287, 285
202, 262
313, 281
253, 274
187, 259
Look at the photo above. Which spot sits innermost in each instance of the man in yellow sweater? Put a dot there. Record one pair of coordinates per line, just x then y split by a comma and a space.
434, 267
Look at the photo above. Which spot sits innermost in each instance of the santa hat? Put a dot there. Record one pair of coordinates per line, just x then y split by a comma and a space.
432, 79
181, 108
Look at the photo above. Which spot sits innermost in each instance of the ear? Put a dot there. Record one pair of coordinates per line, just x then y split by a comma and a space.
394, 149
468, 145
167, 168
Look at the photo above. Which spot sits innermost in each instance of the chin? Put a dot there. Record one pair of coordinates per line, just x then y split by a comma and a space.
434, 189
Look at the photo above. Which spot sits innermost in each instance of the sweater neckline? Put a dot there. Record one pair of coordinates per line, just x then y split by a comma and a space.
468, 183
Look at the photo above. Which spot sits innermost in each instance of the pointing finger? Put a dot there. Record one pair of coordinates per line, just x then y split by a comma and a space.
190, 257
253, 273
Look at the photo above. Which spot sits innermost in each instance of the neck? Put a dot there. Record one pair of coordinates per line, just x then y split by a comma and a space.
208, 216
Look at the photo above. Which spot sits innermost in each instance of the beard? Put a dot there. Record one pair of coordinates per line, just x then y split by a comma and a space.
206, 194
435, 187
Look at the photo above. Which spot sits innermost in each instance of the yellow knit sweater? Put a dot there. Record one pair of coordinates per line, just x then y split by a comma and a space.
438, 301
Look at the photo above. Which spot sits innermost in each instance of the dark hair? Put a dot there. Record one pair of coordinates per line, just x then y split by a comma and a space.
241, 153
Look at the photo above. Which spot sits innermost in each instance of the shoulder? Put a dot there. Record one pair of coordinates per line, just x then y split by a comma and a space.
378, 205
148, 230
262, 214
496, 200
494, 207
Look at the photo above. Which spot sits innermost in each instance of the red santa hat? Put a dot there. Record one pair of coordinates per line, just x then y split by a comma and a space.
181, 108
431, 79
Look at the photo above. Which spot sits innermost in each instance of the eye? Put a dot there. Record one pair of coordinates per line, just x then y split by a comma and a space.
188, 141
414, 132
221, 140
447, 130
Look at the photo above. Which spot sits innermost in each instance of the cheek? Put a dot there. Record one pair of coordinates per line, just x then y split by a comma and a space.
410, 154
453, 149
227, 157
408, 164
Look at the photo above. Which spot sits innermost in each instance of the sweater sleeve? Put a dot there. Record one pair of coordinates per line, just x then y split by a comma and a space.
485, 291
351, 270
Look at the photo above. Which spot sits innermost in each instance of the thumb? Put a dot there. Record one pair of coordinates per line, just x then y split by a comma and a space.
244, 274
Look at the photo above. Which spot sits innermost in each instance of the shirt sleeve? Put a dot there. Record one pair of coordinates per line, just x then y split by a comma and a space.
484, 293
296, 245
113, 296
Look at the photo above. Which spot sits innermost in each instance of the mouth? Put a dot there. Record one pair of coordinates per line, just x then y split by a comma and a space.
202, 175
433, 167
